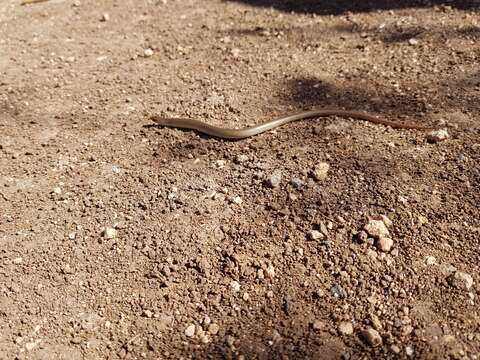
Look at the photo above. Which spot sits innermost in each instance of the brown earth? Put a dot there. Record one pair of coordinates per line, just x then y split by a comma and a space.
208, 259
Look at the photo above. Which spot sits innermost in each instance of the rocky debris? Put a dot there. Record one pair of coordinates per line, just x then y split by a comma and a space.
338, 292
375, 321
148, 52
109, 233
460, 280
430, 260
384, 244
413, 41
395, 349
270, 272
274, 179
437, 136
372, 337
408, 350
320, 171
377, 229
213, 329
318, 325
235, 286
190, 330
241, 158
297, 183
345, 328
315, 235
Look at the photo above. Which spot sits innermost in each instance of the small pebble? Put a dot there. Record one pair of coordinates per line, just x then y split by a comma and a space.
235, 286
409, 351
385, 244
338, 292
376, 229
30, 345
109, 233
274, 180
241, 158
204, 339
213, 329
147, 52
376, 323
297, 183
269, 294
461, 280
237, 200
320, 171
372, 337
315, 235
270, 272
260, 274
318, 325
395, 349
246, 297
413, 41
17, 260
105, 17
345, 328
190, 330
437, 136
430, 260
57, 190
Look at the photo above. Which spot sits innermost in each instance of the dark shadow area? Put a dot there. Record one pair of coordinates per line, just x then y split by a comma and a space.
325, 7
313, 93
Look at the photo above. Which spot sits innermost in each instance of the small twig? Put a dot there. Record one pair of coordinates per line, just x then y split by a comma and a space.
28, 2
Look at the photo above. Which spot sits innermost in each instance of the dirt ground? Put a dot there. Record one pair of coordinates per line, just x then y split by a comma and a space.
323, 239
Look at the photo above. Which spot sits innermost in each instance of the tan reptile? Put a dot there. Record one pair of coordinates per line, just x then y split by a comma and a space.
237, 134
28, 2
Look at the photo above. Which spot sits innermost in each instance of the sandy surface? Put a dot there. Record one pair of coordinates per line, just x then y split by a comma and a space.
119, 239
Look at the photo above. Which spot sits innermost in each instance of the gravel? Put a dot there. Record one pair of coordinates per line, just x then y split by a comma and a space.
372, 337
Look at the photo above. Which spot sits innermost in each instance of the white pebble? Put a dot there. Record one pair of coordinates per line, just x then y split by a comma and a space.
147, 52
237, 200
437, 136
413, 41
235, 286
320, 171
109, 233
190, 330
409, 351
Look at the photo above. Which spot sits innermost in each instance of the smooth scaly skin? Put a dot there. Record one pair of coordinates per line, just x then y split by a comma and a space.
237, 134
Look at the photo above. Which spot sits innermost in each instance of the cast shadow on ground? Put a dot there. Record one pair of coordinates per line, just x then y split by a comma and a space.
326, 7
